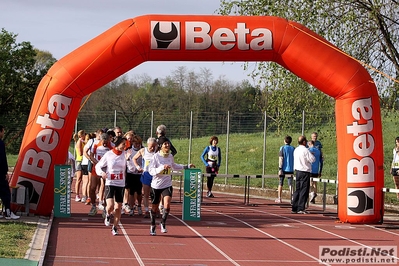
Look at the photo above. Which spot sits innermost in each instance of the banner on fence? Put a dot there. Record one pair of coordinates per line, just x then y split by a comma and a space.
192, 195
62, 191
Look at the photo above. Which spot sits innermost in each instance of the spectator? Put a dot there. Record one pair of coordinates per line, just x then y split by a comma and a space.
303, 160
313, 184
285, 167
5, 193
211, 157
395, 165
316, 167
161, 131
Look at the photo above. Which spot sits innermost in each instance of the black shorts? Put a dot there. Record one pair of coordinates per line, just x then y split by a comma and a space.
85, 170
156, 194
114, 192
133, 183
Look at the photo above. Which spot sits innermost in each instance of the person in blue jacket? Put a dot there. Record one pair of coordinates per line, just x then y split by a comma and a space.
317, 167
211, 157
285, 166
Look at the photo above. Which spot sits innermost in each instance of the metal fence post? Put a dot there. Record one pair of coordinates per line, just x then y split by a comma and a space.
227, 145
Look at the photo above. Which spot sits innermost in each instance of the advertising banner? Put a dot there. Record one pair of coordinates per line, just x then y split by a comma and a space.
62, 191
192, 195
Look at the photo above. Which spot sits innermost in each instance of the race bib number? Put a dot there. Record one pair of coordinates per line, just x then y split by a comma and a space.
118, 176
213, 157
166, 171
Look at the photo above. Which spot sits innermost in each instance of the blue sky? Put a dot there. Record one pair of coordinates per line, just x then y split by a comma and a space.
62, 26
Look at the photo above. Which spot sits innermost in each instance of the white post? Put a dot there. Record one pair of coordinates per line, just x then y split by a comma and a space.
115, 119
264, 151
152, 122
191, 137
227, 146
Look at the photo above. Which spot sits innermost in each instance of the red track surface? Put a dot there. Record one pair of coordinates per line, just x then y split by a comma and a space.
229, 233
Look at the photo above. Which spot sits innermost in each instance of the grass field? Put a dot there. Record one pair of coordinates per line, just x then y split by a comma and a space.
15, 238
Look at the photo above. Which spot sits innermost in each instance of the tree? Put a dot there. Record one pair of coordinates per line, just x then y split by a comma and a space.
20, 74
367, 30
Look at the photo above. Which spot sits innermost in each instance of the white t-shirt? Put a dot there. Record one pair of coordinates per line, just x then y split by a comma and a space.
162, 178
114, 166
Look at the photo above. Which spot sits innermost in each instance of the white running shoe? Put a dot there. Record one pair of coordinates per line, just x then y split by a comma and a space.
152, 230
100, 206
107, 220
114, 231
77, 198
278, 200
9, 215
163, 228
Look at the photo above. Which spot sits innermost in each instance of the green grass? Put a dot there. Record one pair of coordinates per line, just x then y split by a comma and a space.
15, 238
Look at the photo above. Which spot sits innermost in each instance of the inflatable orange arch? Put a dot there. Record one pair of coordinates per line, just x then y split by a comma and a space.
210, 38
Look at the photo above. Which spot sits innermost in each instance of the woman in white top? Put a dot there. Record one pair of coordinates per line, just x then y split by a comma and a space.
112, 167
141, 161
160, 168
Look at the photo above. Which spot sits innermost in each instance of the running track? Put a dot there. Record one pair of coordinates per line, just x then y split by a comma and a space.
229, 233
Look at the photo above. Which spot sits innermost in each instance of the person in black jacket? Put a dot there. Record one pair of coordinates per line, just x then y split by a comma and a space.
161, 131
5, 193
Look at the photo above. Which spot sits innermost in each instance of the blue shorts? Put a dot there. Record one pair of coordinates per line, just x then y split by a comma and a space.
146, 178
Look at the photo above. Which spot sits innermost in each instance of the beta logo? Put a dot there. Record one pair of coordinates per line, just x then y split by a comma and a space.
34, 188
165, 35
360, 201
200, 35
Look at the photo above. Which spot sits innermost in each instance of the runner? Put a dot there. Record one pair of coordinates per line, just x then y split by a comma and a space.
161, 185
133, 183
142, 166
112, 167
97, 153
79, 144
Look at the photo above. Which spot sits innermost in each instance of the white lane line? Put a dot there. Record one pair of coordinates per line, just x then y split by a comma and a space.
136, 254
207, 241
271, 236
315, 227
383, 230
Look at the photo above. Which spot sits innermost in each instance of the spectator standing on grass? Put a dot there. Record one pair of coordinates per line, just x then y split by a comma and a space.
303, 160
316, 167
211, 157
112, 168
313, 184
395, 165
285, 167
160, 168
5, 193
